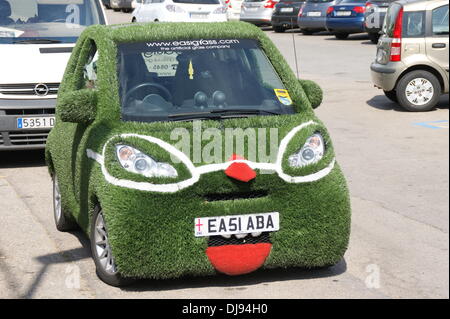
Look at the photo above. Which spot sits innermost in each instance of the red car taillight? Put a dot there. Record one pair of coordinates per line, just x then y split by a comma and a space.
396, 44
330, 9
270, 4
359, 9
300, 12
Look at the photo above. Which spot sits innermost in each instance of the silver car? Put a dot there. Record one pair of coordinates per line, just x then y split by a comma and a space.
411, 65
258, 12
313, 14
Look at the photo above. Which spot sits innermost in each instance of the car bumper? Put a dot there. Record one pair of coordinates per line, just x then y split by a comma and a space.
284, 20
152, 235
260, 18
385, 76
14, 138
347, 25
316, 23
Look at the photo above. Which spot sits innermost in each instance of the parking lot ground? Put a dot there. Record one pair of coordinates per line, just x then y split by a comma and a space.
396, 164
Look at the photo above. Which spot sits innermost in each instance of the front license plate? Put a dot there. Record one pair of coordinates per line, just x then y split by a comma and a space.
238, 224
35, 122
199, 16
343, 13
287, 10
314, 14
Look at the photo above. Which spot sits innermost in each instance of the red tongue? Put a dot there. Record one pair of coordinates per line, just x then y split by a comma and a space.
238, 259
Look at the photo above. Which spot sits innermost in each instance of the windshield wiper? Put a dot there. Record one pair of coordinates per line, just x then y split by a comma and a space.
243, 111
36, 41
194, 116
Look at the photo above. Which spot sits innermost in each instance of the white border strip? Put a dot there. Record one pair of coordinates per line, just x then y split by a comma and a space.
196, 172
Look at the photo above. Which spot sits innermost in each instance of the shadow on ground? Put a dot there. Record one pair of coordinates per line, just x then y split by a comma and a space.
27, 158
264, 276
381, 102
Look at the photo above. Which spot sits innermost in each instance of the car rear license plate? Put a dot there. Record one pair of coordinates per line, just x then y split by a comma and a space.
287, 10
35, 122
251, 8
343, 13
237, 224
199, 15
382, 10
314, 14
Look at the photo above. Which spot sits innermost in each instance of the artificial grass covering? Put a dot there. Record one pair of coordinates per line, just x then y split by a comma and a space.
151, 234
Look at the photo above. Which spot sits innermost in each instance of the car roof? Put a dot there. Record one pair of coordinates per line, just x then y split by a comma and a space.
146, 32
416, 5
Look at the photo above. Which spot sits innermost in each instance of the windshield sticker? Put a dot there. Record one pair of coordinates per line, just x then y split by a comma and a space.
162, 63
191, 45
283, 96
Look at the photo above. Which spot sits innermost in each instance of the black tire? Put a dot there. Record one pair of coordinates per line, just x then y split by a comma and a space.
417, 75
279, 29
112, 277
341, 36
306, 32
116, 9
62, 220
391, 95
374, 37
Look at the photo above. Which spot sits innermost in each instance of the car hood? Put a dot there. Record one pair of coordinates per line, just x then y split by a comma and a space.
32, 63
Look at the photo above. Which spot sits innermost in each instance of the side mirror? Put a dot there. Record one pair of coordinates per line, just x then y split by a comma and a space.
78, 106
313, 92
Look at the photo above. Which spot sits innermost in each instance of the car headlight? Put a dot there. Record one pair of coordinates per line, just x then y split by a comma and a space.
137, 162
310, 153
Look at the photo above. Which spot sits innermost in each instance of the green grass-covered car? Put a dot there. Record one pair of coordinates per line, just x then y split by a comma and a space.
189, 149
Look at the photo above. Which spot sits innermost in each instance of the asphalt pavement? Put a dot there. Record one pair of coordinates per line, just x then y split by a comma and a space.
396, 164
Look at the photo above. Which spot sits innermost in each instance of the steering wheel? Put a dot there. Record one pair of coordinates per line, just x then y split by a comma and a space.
161, 88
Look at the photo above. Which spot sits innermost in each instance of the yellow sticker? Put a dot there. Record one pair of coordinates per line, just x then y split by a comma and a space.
283, 96
191, 70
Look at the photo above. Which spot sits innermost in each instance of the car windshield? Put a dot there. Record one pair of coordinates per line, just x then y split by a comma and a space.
352, 1
319, 1
46, 21
197, 1
188, 79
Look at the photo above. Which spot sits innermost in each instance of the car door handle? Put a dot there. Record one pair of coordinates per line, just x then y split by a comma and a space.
438, 45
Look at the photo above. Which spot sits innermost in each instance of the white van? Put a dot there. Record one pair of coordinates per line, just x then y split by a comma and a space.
36, 40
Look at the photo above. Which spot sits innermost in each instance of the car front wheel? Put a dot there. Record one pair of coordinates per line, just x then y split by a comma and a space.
418, 91
62, 222
279, 29
102, 254
341, 36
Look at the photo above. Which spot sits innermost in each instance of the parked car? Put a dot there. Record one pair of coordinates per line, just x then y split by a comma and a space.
258, 12
374, 17
412, 61
121, 5
107, 4
285, 15
234, 9
36, 40
180, 11
154, 209
312, 15
346, 18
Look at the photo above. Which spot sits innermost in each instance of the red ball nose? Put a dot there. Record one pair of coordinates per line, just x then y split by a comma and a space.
238, 259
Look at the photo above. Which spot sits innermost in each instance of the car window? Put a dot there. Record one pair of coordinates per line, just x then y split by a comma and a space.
159, 79
389, 21
440, 21
413, 24
90, 69
39, 21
